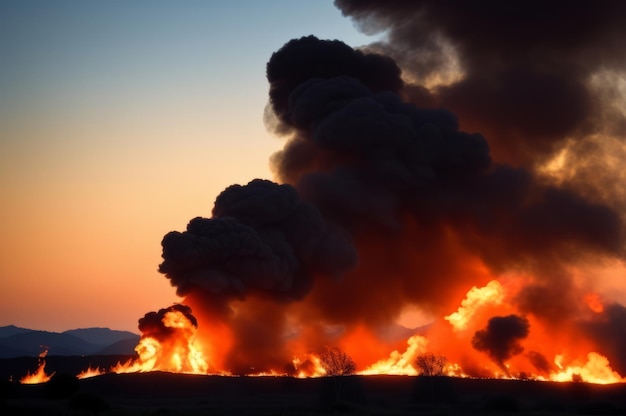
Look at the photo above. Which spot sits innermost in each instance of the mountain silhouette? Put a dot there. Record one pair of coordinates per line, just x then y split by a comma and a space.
18, 342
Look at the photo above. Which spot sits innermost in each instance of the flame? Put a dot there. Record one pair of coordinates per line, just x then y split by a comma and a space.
556, 353
400, 363
178, 352
310, 367
90, 372
492, 292
595, 370
40, 375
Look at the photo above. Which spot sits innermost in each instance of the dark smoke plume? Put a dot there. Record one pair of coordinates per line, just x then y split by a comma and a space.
523, 68
262, 243
384, 189
403, 180
500, 339
262, 238
540, 362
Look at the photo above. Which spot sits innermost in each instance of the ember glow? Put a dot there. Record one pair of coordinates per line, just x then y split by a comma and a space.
385, 201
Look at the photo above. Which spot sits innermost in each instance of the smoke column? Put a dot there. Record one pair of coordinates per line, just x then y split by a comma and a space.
500, 339
385, 202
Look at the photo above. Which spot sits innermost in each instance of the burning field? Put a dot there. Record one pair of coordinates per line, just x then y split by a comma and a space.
506, 247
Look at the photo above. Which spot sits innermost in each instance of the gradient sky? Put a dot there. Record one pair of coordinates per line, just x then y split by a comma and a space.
121, 121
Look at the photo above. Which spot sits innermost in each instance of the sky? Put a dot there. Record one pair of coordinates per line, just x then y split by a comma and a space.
119, 122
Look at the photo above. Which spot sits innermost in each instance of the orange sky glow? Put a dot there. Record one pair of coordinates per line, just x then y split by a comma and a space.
116, 128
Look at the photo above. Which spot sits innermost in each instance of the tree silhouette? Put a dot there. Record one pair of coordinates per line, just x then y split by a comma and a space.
337, 362
430, 364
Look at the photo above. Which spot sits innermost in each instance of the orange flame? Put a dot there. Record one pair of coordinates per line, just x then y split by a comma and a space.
179, 352
595, 370
492, 293
548, 352
90, 372
400, 363
40, 375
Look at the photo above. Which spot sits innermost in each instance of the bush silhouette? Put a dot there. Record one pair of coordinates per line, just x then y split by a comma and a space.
337, 362
430, 364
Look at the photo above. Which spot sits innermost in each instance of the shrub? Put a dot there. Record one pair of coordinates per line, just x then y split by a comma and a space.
337, 362
430, 364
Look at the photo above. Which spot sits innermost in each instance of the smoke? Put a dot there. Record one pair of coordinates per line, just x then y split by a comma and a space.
406, 183
519, 72
154, 324
540, 362
262, 238
262, 242
500, 339
386, 202
610, 327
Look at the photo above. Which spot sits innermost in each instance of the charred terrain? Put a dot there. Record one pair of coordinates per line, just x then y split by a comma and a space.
168, 393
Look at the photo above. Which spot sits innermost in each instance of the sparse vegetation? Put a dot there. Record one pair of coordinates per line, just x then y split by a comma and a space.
430, 364
337, 362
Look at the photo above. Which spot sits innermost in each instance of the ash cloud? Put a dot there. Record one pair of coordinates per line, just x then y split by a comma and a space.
411, 187
501, 338
525, 66
262, 238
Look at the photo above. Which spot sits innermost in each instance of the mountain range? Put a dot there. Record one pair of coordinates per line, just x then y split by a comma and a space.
23, 342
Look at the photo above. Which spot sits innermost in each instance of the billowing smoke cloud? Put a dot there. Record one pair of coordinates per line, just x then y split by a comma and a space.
386, 194
519, 72
262, 238
262, 242
501, 338
154, 324
407, 178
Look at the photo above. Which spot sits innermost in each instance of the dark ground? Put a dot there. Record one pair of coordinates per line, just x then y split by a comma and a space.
179, 394
16, 368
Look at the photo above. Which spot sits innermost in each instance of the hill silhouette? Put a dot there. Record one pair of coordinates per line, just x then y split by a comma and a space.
23, 342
